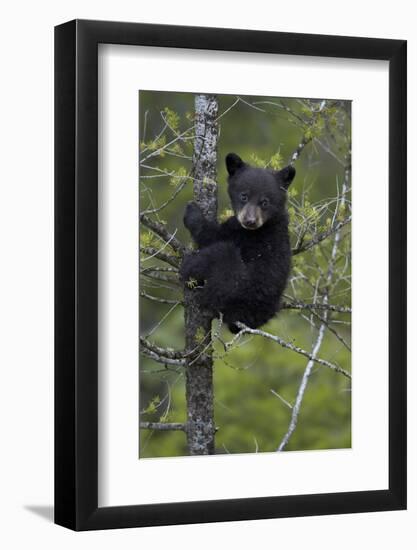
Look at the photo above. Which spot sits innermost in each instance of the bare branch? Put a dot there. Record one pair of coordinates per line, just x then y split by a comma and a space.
163, 147
161, 359
329, 151
160, 230
296, 155
156, 138
332, 330
162, 426
160, 254
307, 139
177, 191
324, 324
161, 278
301, 390
281, 398
167, 352
159, 300
156, 269
284, 107
329, 307
321, 236
228, 109
161, 355
288, 345
164, 370
252, 105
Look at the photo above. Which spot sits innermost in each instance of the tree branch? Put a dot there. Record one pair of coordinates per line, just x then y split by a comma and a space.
320, 237
159, 300
160, 230
166, 356
158, 269
288, 345
328, 307
324, 320
302, 388
161, 359
324, 324
177, 191
163, 147
162, 426
161, 255
296, 154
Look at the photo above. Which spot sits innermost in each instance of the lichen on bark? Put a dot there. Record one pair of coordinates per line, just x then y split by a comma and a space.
200, 427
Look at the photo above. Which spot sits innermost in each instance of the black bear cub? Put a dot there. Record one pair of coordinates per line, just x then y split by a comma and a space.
242, 265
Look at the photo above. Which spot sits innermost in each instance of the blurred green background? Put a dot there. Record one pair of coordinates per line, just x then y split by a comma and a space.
250, 417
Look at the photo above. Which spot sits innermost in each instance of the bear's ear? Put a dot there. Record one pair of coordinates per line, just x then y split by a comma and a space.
285, 176
233, 163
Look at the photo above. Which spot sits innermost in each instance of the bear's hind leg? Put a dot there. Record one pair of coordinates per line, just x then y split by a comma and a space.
219, 273
227, 276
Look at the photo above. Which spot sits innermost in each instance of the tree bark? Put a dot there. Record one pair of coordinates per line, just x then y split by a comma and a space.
200, 428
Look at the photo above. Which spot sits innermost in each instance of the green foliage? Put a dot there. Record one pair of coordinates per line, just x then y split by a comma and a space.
172, 118
225, 214
176, 149
148, 239
255, 160
200, 335
307, 111
153, 405
154, 145
276, 162
292, 192
192, 283
177, 175
315, 129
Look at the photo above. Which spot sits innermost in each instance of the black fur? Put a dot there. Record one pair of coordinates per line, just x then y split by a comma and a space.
242, 265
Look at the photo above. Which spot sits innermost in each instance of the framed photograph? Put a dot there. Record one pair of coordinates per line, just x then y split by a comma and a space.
230, 252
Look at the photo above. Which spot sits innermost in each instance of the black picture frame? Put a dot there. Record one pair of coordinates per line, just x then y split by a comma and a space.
76, 272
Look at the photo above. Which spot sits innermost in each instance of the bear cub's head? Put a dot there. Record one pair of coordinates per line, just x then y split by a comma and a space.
257, 194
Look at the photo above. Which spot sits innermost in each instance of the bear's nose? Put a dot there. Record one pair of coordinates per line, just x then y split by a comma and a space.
250, 222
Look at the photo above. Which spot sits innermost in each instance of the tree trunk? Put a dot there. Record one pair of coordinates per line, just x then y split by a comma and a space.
199, 368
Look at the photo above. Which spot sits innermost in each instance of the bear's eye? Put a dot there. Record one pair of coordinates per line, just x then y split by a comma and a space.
265, 203
244, 197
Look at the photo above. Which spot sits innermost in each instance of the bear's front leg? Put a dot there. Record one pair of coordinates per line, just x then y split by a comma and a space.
202, 231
